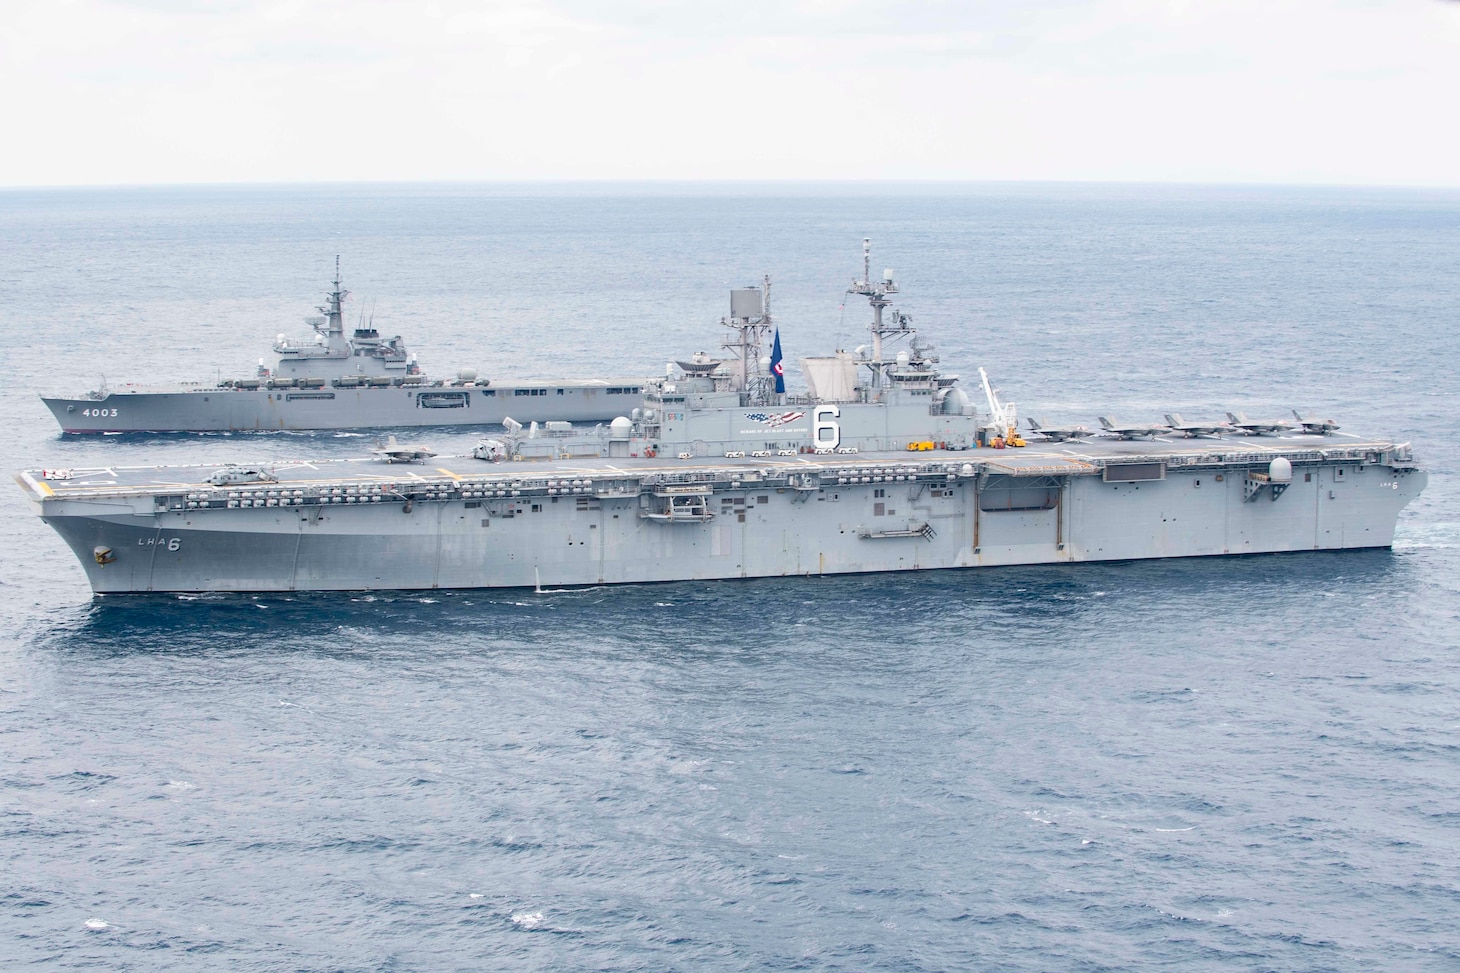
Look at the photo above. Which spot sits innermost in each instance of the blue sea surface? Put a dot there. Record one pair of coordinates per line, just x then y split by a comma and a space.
1206, 764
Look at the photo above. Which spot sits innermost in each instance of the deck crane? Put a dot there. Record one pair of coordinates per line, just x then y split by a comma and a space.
1003, 416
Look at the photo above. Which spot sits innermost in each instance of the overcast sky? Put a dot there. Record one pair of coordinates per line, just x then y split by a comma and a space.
182, 91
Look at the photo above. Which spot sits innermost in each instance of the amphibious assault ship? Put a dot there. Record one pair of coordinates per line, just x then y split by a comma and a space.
332, 381
885, 464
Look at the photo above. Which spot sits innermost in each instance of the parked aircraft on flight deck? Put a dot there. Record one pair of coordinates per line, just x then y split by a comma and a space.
1259, 427
1194, 429
1056, 434
1119, 431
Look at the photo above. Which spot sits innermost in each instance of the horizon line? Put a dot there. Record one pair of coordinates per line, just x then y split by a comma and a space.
909, 182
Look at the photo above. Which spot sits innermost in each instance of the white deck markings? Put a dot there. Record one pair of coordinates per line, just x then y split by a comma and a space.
85, 473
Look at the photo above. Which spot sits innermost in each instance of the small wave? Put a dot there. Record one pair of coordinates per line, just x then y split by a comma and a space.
97, 925
527, 920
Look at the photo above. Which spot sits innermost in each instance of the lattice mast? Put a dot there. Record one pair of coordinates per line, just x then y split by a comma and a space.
750, 325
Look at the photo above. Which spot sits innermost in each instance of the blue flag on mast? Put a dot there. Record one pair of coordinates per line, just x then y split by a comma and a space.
777, 369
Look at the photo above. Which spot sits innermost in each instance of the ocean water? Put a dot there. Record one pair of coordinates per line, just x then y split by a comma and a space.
1229, 764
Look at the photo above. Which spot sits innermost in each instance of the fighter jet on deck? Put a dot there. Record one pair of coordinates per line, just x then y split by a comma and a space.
1316, 427
1248, 427
1131, 432
1191, 429
394, 452
1056, 434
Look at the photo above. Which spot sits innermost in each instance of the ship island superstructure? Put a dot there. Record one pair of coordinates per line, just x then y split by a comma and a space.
335, 380
884, 464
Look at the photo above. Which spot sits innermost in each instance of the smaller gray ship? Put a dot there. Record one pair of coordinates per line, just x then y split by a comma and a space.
335, 381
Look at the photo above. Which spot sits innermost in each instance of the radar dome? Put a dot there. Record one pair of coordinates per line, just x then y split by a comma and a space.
903, 358
955, 402
1280, 470
621, 428
466, 375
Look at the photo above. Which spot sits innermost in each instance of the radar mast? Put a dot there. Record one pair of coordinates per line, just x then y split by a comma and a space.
898, 324
750, 324
336, 319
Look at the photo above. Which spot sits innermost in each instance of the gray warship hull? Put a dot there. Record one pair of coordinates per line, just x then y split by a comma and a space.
716, 472
359, 380
207, 409
460, 523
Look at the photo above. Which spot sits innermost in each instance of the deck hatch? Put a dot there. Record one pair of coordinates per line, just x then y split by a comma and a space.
1134, 472
443, 400
1017, 493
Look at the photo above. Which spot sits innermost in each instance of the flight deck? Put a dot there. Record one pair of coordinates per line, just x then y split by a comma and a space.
303, 480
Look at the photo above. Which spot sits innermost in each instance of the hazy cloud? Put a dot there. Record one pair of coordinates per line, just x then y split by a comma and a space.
109, 91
